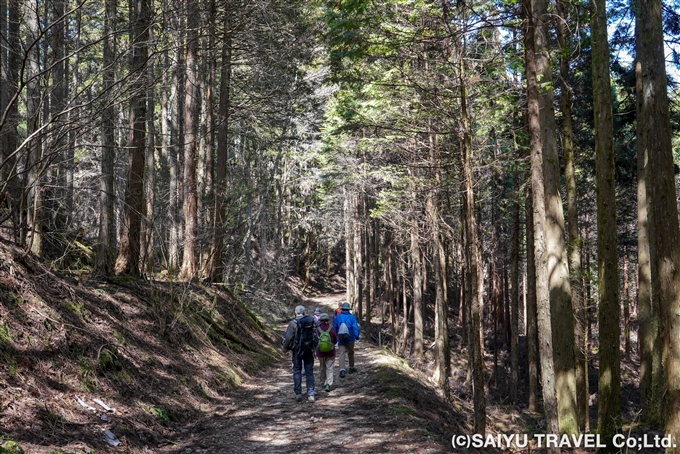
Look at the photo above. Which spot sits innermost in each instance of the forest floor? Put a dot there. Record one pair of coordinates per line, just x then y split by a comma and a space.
195, 369
384, 407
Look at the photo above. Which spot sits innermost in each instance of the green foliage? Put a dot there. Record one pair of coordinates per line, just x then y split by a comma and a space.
6, 336
120, 280
156, 410
88, 381
120, 338
400, 409
77, 308
11, 447
161, 413
108, 360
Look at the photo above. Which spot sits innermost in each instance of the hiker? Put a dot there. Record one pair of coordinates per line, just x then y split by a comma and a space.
326, 350
317, 314
338, 311
347, 330
301, 339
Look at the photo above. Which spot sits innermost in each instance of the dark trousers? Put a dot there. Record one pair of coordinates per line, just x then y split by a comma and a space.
305, 360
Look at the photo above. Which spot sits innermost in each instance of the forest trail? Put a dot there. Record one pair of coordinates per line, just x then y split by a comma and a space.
368, 411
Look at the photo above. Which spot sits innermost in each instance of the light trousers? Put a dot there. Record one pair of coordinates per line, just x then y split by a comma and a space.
345, 351
326, 365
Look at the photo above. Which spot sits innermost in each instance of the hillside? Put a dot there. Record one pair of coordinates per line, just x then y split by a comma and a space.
158, 353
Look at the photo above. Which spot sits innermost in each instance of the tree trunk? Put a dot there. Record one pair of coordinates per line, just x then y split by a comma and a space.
648, 329
561, 310
531, 306
9, 121
609, 387
205, 156
34, 158
150, 180
442, 359
474, 297
358, 255
107, 230
417, 270
514, 283
62, 211
177, 139
129, 250
540, 253
190, 202
574, 257
626, 306
368, 258
349, 244
215, 266
74, 118
5, 88
648, 307
663, 213
403, 342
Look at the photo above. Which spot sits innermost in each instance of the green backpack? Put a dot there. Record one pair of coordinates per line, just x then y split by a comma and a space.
325, 344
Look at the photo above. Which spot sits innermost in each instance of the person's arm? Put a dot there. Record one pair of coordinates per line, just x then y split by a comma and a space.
356, 329
287, 343
334, 336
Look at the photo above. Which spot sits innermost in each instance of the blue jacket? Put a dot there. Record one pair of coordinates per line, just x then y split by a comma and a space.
351, 322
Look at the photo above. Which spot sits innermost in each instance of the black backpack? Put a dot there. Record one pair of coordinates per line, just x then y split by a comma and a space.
306, 338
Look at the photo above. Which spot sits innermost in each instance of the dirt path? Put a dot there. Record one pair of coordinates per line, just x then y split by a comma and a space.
382, 408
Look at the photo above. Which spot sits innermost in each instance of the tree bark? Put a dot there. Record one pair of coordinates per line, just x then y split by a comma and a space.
474, 297
349, 243
177, 140
129, 250
531, 322
417, 270
561, 310
190, 203
574, 257
539, 214
648, 326
663, 213
650, 360
369, 276
609, 386
107, 233
215, 267
442, 359
9, 120
514, 284
34, 158
358, 255
150, 180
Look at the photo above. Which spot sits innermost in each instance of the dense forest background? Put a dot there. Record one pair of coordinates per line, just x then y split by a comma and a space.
505, 167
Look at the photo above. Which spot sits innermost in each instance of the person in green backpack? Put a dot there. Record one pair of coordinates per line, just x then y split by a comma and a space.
325, 350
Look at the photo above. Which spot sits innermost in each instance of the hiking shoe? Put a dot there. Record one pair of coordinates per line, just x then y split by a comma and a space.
327, 388
352, 370
310, 399
342, 373
298, 397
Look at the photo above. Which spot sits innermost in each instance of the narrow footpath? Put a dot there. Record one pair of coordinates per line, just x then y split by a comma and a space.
384, 407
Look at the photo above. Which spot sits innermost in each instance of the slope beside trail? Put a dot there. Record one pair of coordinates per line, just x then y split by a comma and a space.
384, 407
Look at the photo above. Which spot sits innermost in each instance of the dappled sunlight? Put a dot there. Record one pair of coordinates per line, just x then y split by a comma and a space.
245, 413
386, 406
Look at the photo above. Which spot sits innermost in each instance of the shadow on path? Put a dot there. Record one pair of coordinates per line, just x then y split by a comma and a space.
383, 407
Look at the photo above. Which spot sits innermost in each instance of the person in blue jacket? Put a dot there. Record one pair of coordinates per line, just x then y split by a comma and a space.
346, 342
